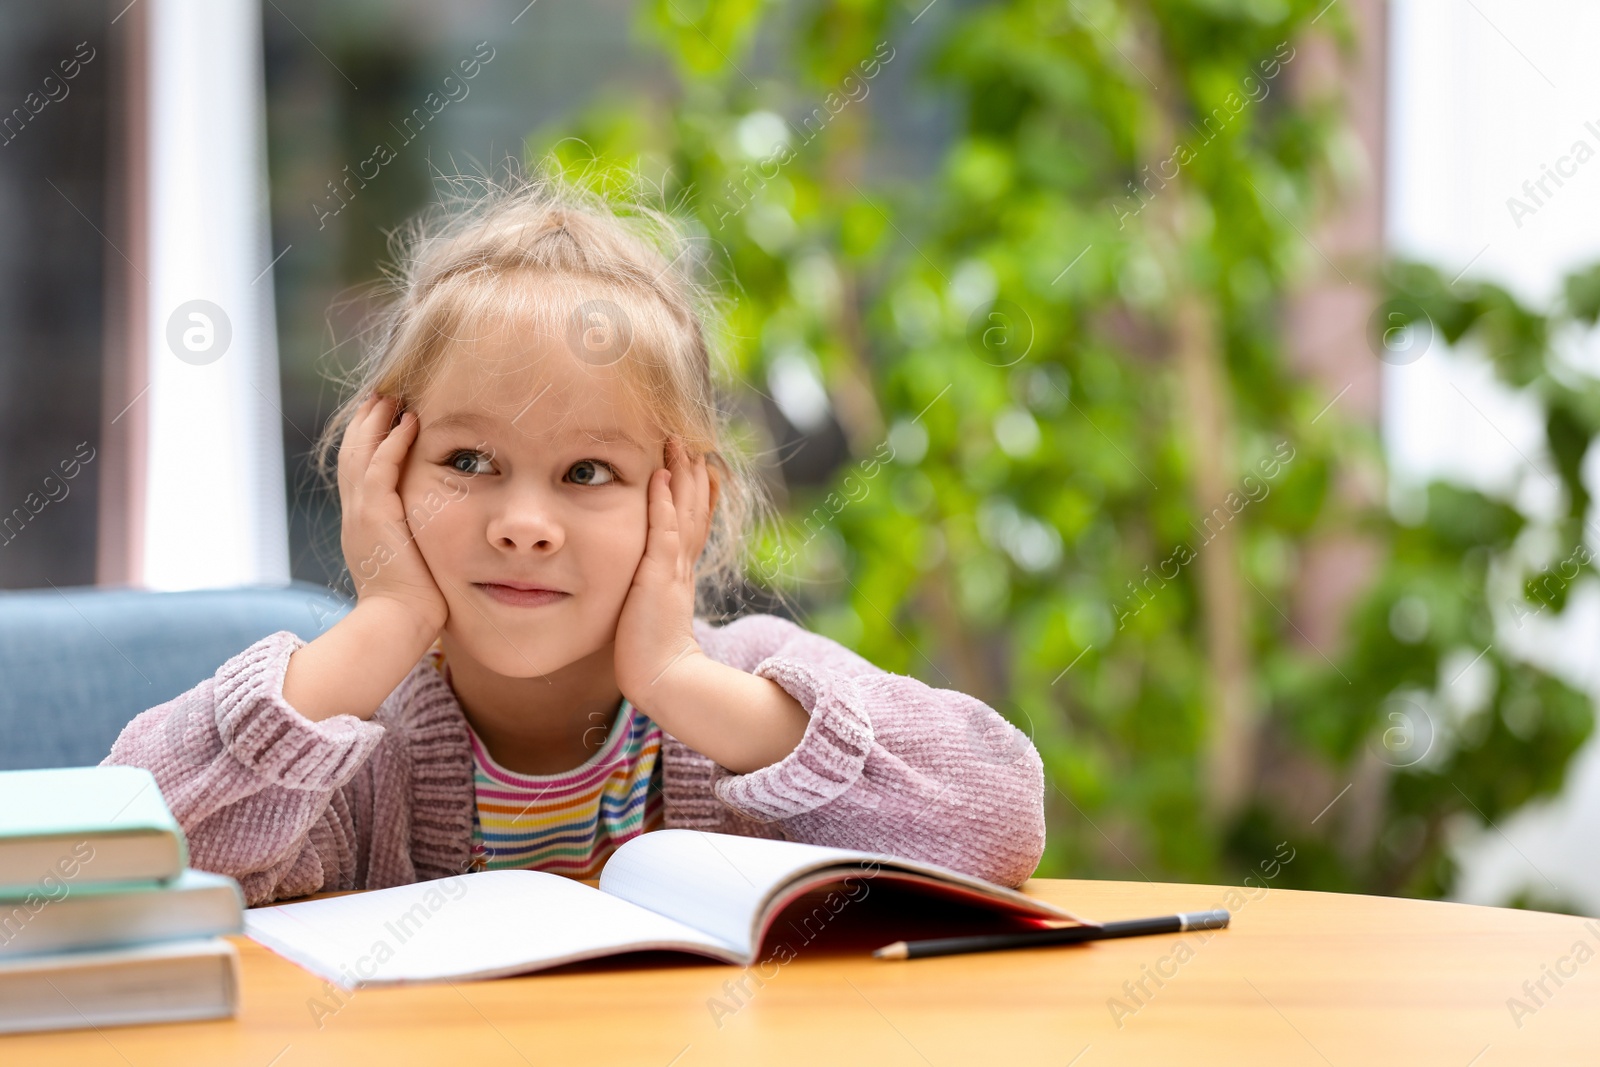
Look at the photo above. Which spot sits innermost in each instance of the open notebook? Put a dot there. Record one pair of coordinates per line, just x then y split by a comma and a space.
711, 894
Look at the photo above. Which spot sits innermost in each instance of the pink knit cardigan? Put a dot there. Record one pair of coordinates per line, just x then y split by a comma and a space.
290, 807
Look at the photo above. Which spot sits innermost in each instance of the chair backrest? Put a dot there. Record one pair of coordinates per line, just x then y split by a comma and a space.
77, 663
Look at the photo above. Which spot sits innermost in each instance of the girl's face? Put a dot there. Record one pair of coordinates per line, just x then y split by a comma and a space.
529, 470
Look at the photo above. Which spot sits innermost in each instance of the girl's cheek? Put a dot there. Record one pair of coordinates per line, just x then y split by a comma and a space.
439, 517
621, 545
639, 529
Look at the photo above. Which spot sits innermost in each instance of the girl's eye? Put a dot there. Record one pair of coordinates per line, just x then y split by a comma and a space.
466, 461
586, 471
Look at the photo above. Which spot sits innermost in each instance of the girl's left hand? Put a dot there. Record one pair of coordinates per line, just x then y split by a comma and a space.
656, 628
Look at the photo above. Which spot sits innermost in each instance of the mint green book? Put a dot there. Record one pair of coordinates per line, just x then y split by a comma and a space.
162, 982
194, 904
85, 826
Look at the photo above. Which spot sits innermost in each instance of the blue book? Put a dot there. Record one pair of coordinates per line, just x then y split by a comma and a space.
84, 826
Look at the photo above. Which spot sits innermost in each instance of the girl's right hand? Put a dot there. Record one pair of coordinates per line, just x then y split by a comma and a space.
379, 547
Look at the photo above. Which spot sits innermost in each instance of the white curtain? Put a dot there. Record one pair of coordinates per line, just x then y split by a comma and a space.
215, 512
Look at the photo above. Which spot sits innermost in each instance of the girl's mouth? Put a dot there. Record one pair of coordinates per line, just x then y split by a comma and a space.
517, 596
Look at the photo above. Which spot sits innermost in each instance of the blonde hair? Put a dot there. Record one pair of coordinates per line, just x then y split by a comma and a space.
610, 274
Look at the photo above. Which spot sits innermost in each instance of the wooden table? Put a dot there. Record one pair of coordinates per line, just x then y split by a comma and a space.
1300, 978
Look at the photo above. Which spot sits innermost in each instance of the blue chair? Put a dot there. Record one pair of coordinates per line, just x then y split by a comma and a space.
78, 663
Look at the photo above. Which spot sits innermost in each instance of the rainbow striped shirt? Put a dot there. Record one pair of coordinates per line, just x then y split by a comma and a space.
566, 823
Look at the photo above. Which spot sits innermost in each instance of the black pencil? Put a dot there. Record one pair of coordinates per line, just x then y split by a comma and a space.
1072, 935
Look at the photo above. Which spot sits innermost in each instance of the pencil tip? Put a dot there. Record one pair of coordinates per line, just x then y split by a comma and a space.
896, 951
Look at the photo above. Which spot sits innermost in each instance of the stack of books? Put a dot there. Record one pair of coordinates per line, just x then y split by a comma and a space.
102, 923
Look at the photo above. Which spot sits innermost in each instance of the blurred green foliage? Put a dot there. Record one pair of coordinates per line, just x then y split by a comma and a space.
1005, 323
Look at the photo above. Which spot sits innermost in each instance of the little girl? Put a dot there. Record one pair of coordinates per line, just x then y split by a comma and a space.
534, 486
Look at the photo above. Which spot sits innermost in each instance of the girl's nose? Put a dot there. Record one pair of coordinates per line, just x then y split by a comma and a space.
528, 520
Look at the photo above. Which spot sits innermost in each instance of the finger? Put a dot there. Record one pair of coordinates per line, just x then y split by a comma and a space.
387, 458
691, 501
702, 506
663, 511
362, 436
354, 455
683, 485
352, 431
662, 538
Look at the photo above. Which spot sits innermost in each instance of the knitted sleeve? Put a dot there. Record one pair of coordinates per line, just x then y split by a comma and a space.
256, 786
887, 763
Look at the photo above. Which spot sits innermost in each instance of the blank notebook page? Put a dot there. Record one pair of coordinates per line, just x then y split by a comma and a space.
481, 925
717, 882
